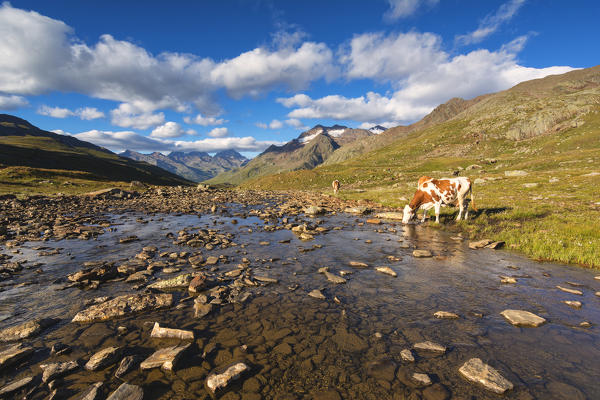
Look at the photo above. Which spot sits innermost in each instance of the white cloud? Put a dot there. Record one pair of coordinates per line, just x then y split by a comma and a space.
218, 132
128, 140
12, 102
128, 116
491, 22
87, 113
404, 8
420, 86
261, 125
204, 121
276, 124
170, 130
296, 123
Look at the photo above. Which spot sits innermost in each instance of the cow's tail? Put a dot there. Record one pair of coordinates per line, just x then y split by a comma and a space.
472, 199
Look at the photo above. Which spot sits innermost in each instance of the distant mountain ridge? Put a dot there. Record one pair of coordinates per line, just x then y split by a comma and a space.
310, 149
196, 166
24, 145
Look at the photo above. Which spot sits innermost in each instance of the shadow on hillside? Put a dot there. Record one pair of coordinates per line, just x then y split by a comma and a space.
488, 211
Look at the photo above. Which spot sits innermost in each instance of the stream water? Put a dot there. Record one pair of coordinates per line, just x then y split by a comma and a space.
347, 345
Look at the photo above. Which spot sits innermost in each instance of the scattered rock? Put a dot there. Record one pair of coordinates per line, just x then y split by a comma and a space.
516, 173
374, 221
476, 371
357, 264
161, 333
479, 244
126, 365
407, 355
92, 392
25, 330
436, 391
422, 253
216, 382
574, 304
178, 282
15, 385
314, 210
445, 315
265, 279
212, 260
201, 310
334, 278
430, 346
530, 185
495, 245
421, 379
390, 215
165, 358
317, 294
572, 291
14, 354
507, 279
55, 370
123, 305
523, 318
387, 270
127, 392
103, 358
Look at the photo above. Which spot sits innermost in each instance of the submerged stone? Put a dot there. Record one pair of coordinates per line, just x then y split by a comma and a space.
123, 305
103, 358
523, 318
161, 332
476, 371
127, 392
165, 358
216, 382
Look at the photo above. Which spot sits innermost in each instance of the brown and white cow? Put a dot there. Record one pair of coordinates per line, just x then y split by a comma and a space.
336, 186
434, 193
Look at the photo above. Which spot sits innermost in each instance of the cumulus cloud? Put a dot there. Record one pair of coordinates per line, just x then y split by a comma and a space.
87, 113
129, 116
204, 121
404, 8
170, 130
276, 124
491, 22
419, 86
128, 140
296, 123
12, 102
218, 132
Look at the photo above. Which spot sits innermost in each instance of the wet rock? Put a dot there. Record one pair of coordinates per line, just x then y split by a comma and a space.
201, 310
407, 355
92, 392
127, 392
56, 370
334, 278
476, 371
574, 304
14, 354
387, 271
15, 386
165, 358
421, 379
264, 279
495, 245
480, 244
123, 305
571, 291
382, 369
390, 215
216, 382
127, 364
59, 348
430, 346
357, 210
99, 273
128, 239
178, 282
212, 260
198, 283
317, 294
522, 318
348, 341
103, 358
422, 253
374, 221
507, 279
357, 264
436, 392
445, 315
314, 210
25, 330
162, 333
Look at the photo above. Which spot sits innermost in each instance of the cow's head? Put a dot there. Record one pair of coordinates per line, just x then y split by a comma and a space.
408, 214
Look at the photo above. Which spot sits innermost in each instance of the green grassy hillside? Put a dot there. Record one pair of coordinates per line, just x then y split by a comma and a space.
549, 128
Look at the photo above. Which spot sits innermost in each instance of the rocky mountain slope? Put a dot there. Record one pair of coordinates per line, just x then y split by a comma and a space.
310, 149
196, 166
24, 145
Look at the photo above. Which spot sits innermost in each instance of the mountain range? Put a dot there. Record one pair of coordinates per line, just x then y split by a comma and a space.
196, 166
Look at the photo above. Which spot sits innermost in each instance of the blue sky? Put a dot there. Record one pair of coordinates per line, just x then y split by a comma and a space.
241, 74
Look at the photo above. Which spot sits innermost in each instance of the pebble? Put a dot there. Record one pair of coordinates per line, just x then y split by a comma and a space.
430, 346
357, 264
421, 379
215, 382
317, 294
334, 278
574, 304
523, 318
478, 372
507, 279
422, 253
407, 355
572, 291
387, 271
445, 315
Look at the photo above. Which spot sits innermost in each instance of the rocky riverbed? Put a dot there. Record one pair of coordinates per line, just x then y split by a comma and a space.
180, 293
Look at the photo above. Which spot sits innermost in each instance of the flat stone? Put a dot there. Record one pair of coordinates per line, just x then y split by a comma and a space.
390, 215
124, 305
574, 304
374, 221
422, 253
178, 282
212, 260
430, 346
317, 294
127, 392
216, 382
523, 318
445, 315
572, 291
13, 354
161, 333
479, 244
495, 245
357, 264
407, 355
55, 370
334, 278
597, 277
476, 371
507, 279
25, 330
421, 379
265, 279
314, 210
357, 210
387, 271
92, 392
165, 358
103, 358
126, 365
202, 310
15, 385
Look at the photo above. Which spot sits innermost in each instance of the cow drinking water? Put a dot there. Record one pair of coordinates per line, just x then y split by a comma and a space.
434, 193
336, 186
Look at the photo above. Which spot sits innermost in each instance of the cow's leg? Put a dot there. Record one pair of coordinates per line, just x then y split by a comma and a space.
467, 211
461, 205
424, 214
437, 213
